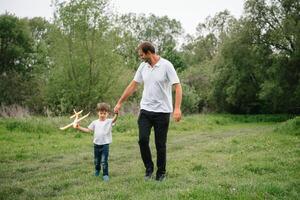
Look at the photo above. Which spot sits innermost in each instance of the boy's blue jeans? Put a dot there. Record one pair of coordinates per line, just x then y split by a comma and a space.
101, 153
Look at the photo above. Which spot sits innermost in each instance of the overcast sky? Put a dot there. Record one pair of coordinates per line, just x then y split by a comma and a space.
188, 12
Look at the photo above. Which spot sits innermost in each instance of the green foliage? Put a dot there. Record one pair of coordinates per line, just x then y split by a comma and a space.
198, 81
22, 61
200, 49
200, 55
161, 31
15, 88
27, 126
279, 90
236, 83
210, 35
88, 54
253, 61
34, 125
190, 99
126, 124
86, 69
16, 44
280, 22
291, 126
175, 58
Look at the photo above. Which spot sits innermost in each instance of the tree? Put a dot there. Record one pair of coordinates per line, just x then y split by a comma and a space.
279, 25
16, 44
237, 72
16, 47
257, 65
86, 68
200, 55
161, 31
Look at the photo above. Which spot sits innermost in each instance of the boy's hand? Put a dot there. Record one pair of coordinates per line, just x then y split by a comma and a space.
115, 116
75, 125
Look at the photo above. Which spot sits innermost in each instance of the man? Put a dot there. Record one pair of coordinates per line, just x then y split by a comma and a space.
158, 76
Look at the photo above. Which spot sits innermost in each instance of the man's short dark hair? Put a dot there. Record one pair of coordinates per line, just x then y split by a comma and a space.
104, 107
146, 47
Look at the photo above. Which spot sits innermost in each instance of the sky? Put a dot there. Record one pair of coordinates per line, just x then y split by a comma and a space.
189, 12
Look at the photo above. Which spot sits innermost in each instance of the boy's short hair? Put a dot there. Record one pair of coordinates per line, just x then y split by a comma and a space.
103, 107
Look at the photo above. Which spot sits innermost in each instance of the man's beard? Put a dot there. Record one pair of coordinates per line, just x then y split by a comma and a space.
147, 60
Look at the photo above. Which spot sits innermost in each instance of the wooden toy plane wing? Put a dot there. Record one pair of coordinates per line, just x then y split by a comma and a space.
76, 113
76, 120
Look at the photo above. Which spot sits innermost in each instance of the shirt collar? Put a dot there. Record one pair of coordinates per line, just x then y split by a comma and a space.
156, 65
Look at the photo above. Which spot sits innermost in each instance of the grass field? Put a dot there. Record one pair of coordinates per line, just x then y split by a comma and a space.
209, 157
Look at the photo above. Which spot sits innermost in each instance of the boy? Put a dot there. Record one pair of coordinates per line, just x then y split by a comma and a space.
102, 138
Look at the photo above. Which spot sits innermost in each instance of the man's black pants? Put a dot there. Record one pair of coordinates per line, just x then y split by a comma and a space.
160, 122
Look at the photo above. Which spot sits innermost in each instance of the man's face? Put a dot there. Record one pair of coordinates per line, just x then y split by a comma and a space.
144, 56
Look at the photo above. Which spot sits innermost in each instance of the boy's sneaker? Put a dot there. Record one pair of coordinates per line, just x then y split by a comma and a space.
97, 173
106, 178
160, 177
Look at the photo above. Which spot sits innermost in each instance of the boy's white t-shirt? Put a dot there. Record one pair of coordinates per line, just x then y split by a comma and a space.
102, 131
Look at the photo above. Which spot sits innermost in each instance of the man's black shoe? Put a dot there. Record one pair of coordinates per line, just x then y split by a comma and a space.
160, 177
148, 176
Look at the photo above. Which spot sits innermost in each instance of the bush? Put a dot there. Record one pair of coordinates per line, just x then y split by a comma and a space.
30, 125
291, 126
190, 99
13, 111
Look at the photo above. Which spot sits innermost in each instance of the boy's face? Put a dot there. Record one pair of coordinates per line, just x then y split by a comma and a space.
102, 115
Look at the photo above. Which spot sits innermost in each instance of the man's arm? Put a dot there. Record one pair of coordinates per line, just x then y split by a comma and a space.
131, 88
178, 99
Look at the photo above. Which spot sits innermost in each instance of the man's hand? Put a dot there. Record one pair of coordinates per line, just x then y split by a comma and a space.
117, 108
177, 115
178, 98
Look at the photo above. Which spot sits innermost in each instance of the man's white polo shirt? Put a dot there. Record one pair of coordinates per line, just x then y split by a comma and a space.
158, 81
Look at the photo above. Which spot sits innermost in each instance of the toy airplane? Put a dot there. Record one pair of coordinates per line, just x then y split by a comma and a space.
76, 120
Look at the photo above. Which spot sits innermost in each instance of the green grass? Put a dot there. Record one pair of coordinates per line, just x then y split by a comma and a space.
209, 157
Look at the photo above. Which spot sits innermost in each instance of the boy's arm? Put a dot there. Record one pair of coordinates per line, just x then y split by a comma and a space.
87, 130
115, 118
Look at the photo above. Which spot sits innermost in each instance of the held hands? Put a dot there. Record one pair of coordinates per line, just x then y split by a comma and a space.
177, 115
117, 108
